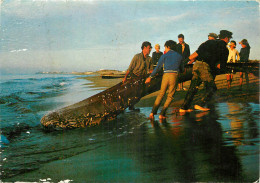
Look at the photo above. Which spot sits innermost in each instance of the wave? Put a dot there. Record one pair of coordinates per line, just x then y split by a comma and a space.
33, 79
11, 99
40, 80
63, 83
57, 85
33, 93
13, 82
17, 103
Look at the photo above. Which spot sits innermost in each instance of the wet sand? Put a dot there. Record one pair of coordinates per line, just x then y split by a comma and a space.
98, 82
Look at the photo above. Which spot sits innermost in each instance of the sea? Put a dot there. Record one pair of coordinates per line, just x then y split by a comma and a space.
221, 145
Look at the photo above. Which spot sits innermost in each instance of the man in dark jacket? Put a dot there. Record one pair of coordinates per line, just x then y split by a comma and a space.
156, 55
211, 56
183, 49
244, 56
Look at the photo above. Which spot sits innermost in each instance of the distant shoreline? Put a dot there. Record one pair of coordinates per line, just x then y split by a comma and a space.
100, 72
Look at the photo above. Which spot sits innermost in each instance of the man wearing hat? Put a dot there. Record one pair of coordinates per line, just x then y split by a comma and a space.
211, 56
212, 36
140, 65
244, 56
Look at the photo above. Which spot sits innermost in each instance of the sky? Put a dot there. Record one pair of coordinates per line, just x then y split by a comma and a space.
90, 35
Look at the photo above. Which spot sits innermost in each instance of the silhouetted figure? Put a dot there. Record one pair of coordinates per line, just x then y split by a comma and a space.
244, 56
183, 49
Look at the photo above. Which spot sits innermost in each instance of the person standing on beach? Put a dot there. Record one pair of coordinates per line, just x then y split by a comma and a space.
244, 56
211, 56
212, 36
156, 55
183, 49
170, 61
140, 65
233, 57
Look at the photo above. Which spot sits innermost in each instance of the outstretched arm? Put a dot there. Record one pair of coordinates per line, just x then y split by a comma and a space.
130, 68
193, 57
238, 57
126, 74
156, 69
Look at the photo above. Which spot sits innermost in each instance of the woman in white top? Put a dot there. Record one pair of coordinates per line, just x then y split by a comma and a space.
233, 57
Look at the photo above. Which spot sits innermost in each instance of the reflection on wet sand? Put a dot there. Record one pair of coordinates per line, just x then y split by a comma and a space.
243, 123
192, 148
236, 124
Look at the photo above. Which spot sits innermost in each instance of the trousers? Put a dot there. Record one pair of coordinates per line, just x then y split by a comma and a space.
169, 81
201, 73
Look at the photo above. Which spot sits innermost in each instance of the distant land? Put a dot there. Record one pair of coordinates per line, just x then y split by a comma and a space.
104, 73
60, 72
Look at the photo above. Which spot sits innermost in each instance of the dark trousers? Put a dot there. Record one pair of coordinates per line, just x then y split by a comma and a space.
201, 73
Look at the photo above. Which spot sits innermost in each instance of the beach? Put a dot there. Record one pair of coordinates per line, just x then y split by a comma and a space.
219, 145
66, 117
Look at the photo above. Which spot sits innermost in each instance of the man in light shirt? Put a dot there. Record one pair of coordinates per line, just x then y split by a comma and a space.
233, 57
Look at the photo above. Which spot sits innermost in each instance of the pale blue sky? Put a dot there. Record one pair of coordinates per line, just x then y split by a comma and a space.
92, 35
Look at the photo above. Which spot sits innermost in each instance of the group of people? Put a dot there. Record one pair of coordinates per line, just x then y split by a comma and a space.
210, 57
182, 48
234, 57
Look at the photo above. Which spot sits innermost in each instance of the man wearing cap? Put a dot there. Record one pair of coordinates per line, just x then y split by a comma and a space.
140, 65
244, 56
212, 36
211, 56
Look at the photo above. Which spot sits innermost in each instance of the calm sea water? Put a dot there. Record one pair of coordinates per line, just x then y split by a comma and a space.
220, 145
